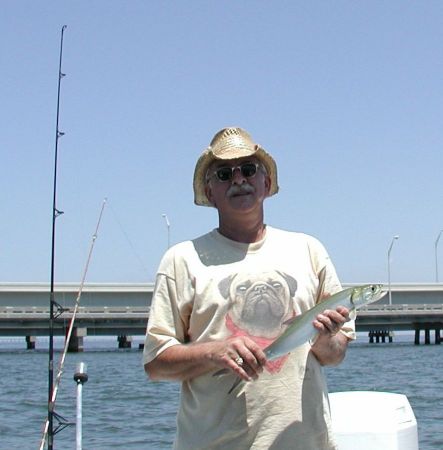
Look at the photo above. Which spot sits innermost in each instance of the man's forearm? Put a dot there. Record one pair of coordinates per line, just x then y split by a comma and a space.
185, 361
181, 362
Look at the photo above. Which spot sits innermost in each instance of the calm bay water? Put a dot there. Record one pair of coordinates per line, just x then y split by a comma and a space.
122, 410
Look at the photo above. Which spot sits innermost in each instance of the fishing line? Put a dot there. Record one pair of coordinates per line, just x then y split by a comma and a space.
140, 260
71, 327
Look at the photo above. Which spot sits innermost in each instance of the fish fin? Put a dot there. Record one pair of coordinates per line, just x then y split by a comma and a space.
221, 372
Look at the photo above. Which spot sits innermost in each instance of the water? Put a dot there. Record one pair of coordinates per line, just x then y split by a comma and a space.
122, 410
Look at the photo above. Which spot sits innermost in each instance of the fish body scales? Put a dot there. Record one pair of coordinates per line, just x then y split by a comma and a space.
294, 340
302, 329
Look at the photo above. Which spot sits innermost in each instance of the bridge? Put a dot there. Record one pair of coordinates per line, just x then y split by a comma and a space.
122, 310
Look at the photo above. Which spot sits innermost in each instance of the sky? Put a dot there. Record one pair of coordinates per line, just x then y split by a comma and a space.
346, 95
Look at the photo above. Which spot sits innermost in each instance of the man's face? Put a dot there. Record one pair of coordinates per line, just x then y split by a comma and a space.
241, 191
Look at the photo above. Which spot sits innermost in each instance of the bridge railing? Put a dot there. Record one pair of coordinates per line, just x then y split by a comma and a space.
13, 311
403, 309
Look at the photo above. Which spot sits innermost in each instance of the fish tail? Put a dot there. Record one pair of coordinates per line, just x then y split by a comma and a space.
236, 383
221, 372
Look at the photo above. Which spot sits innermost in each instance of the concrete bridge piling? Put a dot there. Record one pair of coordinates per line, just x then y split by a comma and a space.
427, 333
30, 342
378, 336
124, 341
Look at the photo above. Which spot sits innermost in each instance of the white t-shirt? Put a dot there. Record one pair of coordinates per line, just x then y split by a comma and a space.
212, 288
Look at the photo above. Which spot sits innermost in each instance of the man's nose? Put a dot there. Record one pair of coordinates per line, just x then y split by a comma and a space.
237, 176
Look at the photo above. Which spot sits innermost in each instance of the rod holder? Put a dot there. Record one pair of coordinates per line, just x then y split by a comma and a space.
80, 375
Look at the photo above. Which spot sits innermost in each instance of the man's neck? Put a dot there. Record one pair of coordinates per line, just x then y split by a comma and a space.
243, 231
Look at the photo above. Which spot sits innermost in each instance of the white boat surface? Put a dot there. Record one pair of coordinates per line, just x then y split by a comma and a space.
371, 420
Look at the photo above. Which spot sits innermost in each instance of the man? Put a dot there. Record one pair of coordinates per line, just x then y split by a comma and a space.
223, 297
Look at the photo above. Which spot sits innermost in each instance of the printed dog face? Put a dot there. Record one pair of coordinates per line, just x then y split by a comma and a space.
260, 303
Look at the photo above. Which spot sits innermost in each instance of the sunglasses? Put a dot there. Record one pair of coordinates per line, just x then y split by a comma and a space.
226, 173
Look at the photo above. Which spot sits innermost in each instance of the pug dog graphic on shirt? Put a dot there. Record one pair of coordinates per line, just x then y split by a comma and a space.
260, 304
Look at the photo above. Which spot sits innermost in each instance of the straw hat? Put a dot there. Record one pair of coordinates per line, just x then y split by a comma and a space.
230, 143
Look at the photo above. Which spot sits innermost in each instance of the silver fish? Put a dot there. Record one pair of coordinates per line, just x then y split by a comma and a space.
301, 328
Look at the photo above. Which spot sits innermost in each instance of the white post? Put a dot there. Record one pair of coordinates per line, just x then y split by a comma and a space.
80, 377
78, 422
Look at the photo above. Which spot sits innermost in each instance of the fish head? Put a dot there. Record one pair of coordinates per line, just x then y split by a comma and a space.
366, 294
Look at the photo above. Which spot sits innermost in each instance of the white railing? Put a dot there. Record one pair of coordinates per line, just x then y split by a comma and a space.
405, 310
14, 311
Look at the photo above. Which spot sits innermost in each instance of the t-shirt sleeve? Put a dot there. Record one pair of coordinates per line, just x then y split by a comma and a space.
168, 321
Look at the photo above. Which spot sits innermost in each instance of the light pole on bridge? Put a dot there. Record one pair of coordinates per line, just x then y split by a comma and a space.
389, 268
436, 256
168, 225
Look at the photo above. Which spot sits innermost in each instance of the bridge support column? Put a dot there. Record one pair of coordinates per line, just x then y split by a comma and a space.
427, 336
76, 341
417, 336
30, 342
437, 336
380, 336
124, 341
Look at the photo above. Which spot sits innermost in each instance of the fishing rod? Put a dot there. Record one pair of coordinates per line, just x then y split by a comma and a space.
64, 423
54, 308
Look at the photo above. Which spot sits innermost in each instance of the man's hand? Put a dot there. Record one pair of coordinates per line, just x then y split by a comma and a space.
240, 354
330, 346
330, 321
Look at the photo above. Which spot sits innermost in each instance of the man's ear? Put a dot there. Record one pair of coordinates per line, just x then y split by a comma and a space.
267, 185
208, 193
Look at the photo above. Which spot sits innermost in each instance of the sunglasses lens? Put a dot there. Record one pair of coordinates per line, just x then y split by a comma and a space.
248, 170
224, 173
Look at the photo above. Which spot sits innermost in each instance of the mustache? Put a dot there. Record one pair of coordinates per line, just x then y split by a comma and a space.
239, 189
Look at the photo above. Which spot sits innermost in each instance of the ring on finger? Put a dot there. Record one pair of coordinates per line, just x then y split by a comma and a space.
239, 361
